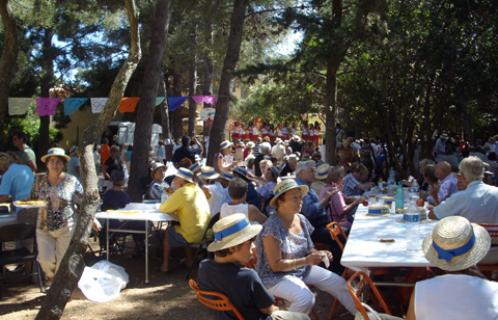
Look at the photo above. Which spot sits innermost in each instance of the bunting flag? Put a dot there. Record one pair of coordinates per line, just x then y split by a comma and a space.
159, 100
128, 104
46, 106
19, 106
204, 99
73, 104
175, 102
98, 104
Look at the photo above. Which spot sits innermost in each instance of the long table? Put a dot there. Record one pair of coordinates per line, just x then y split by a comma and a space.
385, 241
148, 213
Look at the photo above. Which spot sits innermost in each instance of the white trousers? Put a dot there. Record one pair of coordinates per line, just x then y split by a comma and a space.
295, 290
52, 246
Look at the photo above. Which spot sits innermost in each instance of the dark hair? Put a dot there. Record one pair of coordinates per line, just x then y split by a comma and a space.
430, 173
492, 156
185, 140
20, 135
117, 176
237, 188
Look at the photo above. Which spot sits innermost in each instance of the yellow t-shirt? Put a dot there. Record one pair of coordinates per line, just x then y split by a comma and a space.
190, 205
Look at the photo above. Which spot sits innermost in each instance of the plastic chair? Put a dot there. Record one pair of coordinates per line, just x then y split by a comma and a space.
364, 282
20, 232
200, 248
214, 300
337, 234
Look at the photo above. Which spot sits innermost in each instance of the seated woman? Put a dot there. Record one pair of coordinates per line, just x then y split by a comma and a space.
233, 249
62, 192
455, 246
237, 190
339, 207
287, 261
356, 182
157, 185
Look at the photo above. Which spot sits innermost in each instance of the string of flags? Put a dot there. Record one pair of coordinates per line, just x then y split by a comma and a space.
48, 106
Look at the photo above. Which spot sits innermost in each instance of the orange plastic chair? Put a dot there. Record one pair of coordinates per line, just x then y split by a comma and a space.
363, 282
214, 300
337, 234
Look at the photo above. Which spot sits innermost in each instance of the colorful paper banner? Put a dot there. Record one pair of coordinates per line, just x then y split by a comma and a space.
204, 99
98, 104
19, 106
46, 106
175, 102
128, 104
73, 104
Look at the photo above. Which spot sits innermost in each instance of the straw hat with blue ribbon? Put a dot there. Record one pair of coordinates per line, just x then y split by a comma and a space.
185, 174
231, 231
227, 176
195, 167
225, 144
208, 173
456, 244
284, 186
322, 171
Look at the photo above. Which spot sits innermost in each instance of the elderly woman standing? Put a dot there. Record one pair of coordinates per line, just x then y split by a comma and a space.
287, 261
62, 192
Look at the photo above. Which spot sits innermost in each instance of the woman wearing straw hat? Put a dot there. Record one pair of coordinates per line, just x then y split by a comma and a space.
233, 249
224, 159
190, 205
456, 246
62, 192
287, 260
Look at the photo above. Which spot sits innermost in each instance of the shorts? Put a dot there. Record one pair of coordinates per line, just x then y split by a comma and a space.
176, 240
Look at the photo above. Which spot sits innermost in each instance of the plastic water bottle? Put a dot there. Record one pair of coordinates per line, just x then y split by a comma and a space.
391, 180
414, 187
399, 199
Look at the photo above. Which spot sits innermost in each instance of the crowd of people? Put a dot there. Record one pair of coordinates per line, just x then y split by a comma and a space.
274, 192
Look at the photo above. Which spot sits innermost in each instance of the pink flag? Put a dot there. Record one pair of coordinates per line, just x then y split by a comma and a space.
204, 99
46, 106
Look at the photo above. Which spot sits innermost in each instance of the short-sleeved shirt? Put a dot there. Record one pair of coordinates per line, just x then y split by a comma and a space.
292, 246
17, 182
27, 154
311, 208
446, 189
61, 200
73, 166
115, 199
242, 286
156, 190
351, 186
478, 203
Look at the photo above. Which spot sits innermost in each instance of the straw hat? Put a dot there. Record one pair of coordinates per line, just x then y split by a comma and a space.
156, 165
231, 231
250, 145
195, 167
208, 173
225, 144
243, 173
55, 152
322, 171
227, 176
185, 174
456, 244
284, 186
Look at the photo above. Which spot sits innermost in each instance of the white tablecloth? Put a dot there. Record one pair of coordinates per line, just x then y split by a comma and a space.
364, 248
149, 212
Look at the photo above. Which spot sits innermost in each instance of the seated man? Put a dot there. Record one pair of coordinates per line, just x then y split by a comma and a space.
232, 249
189, 204
237, 189
447, 181
355, 183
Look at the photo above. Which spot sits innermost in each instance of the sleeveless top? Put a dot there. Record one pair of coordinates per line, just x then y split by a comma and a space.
229, 209
455, 297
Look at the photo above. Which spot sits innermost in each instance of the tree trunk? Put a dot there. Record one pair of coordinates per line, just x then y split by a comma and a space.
7, 62
192, 83
145, 113
72, 264
231, 58
176, 116
47, 81
164, 109
331, 109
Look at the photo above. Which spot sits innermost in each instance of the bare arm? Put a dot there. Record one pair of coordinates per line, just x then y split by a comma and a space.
278, 264
256, 215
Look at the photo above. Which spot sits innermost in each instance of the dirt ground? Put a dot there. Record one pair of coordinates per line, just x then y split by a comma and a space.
166, 296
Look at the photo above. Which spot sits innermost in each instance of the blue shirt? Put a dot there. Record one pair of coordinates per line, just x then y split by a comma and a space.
17, 182
311, 208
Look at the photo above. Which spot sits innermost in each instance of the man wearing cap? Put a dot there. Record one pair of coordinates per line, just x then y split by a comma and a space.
232, 247
190, 205
456, 246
